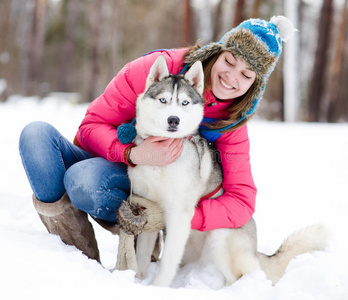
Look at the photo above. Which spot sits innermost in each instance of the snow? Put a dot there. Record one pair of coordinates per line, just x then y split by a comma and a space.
301, 171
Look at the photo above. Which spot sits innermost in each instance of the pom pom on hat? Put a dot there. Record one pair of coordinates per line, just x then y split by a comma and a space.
284, 26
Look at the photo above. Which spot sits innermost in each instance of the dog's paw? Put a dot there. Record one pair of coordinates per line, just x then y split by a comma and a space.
161, 281
140, 275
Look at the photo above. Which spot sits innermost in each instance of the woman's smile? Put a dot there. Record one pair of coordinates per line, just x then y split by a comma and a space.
225, 84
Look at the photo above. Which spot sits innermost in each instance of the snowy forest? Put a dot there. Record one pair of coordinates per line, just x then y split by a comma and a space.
78, 46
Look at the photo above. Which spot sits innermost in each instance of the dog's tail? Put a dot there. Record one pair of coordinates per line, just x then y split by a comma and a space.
306, 240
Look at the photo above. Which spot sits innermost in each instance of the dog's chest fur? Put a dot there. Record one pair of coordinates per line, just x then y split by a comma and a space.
186, 177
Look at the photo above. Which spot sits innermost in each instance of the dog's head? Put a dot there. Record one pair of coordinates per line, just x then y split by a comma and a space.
172, 105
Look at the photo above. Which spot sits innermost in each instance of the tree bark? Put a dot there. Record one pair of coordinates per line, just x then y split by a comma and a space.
218, 21
34, 70
239, 15
256, 9
94, 33
68, 50
317, 84
290, 71
187, 32
336, 67
5, 8
205, 30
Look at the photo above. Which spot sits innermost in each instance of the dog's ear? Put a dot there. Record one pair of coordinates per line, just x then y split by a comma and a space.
195, 77
158, 71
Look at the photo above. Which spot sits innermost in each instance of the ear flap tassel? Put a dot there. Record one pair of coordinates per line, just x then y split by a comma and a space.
126, 132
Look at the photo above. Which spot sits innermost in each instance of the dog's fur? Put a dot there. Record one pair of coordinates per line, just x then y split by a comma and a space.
172, 106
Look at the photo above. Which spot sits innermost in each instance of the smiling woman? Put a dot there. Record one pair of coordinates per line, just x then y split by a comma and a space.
230, 77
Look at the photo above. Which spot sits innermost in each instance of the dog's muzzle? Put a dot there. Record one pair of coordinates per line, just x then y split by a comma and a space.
173, 122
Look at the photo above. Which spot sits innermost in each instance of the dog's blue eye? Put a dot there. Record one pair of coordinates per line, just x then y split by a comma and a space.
185, 102
162, 100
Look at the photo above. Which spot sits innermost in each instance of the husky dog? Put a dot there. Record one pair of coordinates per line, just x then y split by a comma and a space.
172, 107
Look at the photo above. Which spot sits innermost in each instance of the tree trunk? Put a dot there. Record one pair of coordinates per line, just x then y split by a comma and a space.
33, 71
205, 23
116, 35
290, 71
187, 31
94, 33
256, 9
5, 9
239, 15
317, 84
336, 67
68, 50
218, 21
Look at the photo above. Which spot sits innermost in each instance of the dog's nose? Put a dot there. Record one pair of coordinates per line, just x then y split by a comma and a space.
173, 121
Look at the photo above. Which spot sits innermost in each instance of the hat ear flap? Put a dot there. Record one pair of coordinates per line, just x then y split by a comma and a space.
159, 70
203, 53
195, 76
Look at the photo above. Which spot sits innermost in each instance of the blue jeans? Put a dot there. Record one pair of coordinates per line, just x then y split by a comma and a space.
54, 166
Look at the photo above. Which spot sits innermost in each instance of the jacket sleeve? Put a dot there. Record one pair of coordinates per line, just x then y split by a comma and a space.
97, 133
236, 206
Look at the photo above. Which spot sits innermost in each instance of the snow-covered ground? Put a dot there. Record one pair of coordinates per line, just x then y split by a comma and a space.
301, 171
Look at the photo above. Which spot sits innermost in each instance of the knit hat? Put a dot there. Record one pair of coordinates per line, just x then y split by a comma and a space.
259, 44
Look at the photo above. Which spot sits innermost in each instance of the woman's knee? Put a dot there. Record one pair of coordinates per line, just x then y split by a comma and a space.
95, 174
35, 133
97, 186
79, 185
41, 162
81, 176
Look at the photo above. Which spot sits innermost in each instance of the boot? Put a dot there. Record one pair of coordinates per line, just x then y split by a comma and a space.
62, 218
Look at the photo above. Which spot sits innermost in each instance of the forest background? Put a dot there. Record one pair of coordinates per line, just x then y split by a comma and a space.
78, 46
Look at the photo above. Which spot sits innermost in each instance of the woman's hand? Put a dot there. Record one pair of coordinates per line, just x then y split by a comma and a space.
156, 151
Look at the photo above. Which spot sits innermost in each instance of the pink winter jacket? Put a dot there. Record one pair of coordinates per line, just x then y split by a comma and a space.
97, 134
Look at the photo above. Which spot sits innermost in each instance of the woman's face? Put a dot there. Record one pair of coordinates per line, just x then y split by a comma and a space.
230, 77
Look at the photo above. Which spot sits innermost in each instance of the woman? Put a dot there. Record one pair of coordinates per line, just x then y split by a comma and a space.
70, 181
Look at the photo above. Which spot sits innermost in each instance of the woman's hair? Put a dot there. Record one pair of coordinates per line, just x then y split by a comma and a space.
236, 107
